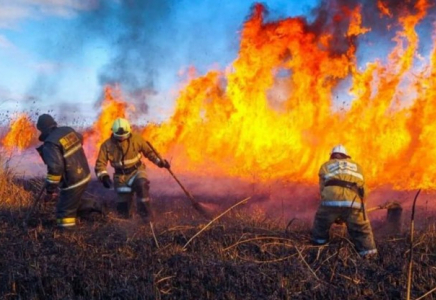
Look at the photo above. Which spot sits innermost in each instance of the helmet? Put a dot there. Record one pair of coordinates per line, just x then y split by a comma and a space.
339, 149
45, 122
121, 129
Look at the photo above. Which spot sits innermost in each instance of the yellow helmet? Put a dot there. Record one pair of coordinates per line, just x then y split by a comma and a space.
121, 129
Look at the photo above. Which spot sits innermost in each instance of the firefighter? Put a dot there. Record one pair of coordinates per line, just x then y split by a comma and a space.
124, 150
342, 188
67, 170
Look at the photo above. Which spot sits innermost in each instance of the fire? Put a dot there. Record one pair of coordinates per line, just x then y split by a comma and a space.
273, 113
384, 10
237, 128
20, 134
112, 107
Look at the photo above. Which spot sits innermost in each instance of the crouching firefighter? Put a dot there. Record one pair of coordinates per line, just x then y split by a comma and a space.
124, 151
342, 189
67, 169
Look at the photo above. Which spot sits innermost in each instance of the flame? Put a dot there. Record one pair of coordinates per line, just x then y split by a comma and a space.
233, 130
112, 107
20, 134
355, 27
237, 129
384, 10
274, 114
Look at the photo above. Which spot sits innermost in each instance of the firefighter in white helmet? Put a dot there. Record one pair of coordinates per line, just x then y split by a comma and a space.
342, 188
124, 150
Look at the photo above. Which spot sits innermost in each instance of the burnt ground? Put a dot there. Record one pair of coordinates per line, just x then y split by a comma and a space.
247, 254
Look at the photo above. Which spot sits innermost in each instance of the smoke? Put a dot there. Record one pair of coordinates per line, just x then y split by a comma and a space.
281, 201
137, 50
273, 200
143, 45
381, 17
128, 30
139, 45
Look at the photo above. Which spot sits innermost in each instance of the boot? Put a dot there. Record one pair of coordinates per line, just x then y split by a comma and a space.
66, 230
144, 210
61, 225
123, 210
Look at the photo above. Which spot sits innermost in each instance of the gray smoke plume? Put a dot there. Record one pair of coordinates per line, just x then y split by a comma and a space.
132, 31
137, 50
148, 42
331, 17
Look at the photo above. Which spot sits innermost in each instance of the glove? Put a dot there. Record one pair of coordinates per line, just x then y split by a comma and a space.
163, 164
51, 188
107, 182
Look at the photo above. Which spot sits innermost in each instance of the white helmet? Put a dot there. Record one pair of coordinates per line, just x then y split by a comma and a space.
121, 129
339, 149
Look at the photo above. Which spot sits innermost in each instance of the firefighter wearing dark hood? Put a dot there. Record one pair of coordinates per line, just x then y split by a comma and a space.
67, 169
124, 150
342, 188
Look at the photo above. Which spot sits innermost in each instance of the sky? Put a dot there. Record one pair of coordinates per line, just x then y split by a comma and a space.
57, 55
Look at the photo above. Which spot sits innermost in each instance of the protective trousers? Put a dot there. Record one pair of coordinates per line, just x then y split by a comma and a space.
139, 185
71, 204
358, 226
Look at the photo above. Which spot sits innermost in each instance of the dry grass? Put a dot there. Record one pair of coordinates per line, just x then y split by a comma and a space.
15, 194
244, 255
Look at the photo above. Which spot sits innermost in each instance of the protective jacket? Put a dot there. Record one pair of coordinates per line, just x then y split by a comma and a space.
341, 183
124, 156
342, 189
66, 162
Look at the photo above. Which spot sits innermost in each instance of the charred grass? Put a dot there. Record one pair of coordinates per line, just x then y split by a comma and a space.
244, 255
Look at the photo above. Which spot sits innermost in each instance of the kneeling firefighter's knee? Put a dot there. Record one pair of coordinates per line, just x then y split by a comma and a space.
142, 187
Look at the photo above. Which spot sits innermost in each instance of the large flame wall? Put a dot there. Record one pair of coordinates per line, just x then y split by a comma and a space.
230, 123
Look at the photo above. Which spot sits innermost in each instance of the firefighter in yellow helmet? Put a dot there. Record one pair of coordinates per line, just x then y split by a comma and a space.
342, 188
67, 169
124, 150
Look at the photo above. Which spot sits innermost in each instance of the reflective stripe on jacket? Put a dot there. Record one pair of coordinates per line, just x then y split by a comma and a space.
66, 162
123, 154
345, 170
